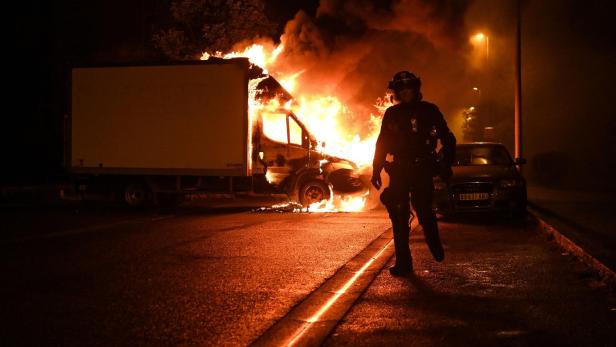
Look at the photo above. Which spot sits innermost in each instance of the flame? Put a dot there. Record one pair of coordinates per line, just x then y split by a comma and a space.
269, 177
323, 115
290, 82
340, 204
257, 54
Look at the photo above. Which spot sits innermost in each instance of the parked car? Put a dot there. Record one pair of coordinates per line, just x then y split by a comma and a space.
485, 178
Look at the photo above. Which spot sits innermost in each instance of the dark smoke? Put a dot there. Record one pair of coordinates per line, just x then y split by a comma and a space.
352, 48
442, 22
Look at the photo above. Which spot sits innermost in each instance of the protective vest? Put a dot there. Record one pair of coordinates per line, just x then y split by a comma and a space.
410, 131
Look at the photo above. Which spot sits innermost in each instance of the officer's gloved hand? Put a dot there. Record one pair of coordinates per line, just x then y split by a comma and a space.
376, 180
445, 173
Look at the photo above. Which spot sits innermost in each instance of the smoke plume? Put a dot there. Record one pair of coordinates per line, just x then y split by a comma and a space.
350, 49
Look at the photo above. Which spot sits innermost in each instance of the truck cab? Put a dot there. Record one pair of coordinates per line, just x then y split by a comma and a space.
290, 158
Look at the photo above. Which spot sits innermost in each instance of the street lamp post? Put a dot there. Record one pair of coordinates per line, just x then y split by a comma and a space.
482, 41
478, 94
518, 85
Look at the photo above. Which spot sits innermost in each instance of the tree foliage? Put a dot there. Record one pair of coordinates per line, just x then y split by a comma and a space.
211, 25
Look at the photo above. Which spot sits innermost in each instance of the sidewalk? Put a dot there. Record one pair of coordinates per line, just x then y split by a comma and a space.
498, 286
586, 218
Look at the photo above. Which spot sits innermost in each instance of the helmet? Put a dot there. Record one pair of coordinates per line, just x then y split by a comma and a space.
403, 80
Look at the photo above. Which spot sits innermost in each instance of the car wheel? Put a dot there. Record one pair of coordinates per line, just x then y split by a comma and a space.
313, 191
135, 194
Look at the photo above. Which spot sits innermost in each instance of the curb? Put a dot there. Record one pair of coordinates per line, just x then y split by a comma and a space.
606, 274
310, 322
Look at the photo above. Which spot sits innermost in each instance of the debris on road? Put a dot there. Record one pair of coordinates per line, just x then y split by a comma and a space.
287, 207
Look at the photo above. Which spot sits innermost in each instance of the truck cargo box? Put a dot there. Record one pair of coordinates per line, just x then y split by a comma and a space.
184, 119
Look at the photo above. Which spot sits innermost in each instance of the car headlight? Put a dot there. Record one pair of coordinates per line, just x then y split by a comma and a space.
509, 183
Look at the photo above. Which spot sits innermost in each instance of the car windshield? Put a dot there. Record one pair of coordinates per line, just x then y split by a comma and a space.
481, 155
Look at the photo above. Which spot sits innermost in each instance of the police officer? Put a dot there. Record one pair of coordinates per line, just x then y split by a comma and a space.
409, 132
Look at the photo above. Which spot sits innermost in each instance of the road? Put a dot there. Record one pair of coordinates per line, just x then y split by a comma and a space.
110, 276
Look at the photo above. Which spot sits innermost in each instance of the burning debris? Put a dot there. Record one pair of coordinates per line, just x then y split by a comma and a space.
337, 203
287, 207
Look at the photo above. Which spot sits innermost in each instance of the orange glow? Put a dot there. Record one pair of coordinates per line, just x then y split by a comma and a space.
336, 295
324, 114
290, 83
258, 54
481, 42
269, 177
354, 203
275, 126
479, 37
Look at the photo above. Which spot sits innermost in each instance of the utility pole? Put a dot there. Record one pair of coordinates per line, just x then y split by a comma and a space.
518, 83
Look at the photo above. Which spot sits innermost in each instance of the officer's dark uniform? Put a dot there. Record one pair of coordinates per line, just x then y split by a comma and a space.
409, 132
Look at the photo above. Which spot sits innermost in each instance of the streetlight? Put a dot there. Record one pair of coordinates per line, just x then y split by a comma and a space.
517, 122
482, 39
478, 92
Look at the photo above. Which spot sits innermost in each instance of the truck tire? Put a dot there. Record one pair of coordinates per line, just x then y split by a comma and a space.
135, 194
313, 191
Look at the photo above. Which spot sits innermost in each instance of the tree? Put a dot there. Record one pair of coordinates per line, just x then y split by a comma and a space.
211, 25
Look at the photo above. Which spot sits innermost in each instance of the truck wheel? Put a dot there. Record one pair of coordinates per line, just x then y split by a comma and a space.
313, 191
135, 194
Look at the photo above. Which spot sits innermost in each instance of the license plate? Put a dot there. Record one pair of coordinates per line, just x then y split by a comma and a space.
473, 196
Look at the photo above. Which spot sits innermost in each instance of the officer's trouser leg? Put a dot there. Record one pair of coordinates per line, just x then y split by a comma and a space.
400, 215
400, 212
421, 198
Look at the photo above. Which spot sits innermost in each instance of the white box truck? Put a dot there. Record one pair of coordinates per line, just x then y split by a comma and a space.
156, 132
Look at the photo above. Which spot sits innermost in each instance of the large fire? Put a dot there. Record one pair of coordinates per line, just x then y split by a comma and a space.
323, 115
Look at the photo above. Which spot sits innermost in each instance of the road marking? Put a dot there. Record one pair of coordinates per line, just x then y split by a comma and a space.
337, 294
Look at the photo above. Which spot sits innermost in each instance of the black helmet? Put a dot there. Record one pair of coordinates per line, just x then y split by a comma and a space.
403, 80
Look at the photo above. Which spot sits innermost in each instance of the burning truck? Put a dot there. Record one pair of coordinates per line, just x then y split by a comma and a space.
157, 132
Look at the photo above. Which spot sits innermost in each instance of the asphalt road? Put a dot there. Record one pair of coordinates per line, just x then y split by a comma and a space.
193, 277
110, 276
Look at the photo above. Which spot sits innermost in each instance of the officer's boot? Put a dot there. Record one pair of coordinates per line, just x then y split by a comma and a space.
404, 261
433, 240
